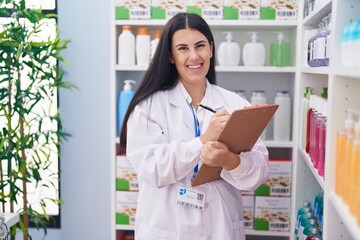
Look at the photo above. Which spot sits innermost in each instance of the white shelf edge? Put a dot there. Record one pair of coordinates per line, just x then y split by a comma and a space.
125, 227
264, 69
343, 211
315, 15
266, 233
307, 159
278, 144
215, 23
316, 70
352, 72
10, 219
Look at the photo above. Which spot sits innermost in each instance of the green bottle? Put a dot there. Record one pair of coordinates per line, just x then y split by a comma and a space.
280, 52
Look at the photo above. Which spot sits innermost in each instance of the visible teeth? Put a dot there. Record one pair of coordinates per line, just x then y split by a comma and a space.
195, 67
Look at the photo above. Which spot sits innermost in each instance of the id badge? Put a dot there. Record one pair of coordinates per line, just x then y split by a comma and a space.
190, 197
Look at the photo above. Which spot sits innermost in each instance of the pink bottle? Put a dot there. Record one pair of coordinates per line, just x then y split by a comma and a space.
318, 118
322, 141
308, 122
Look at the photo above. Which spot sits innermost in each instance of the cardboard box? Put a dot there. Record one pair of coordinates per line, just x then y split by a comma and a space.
126, 203
132, 9
126, 177
278, 9
166, 9
249, 208
242, 9
272, 213
208, 9
279, 180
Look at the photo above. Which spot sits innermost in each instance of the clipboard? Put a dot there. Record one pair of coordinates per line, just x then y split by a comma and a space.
241, 132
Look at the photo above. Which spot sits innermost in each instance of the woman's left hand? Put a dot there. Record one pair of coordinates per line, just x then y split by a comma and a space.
217, 154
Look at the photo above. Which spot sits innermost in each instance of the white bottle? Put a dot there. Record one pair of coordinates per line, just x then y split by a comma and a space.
154, 43
282, 116
126, 47
229, 51
254, 52
259, 97
143, 47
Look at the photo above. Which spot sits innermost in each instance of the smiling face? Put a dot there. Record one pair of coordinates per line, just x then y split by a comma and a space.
191, 53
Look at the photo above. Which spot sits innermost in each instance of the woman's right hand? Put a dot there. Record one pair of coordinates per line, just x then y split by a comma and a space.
216, 126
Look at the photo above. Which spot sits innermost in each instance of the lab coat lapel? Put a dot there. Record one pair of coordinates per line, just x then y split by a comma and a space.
177, 99
213, 100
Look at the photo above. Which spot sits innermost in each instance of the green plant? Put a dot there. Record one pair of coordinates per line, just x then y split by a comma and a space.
30, 126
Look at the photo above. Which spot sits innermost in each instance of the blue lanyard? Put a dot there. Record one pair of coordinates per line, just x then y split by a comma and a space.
197, 131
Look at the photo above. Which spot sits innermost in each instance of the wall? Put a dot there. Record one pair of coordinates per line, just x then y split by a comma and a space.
85, 166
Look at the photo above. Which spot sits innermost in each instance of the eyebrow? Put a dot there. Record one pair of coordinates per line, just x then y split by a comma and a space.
182, 44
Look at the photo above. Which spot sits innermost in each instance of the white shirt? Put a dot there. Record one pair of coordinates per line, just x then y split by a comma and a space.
162, 148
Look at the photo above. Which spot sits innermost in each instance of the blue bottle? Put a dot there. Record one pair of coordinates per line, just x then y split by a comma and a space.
124, 100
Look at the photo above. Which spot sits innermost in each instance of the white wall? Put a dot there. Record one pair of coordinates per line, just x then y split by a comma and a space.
85, 157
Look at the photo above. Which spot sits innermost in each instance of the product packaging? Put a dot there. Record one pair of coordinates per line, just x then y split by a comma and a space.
166, 9
205, 8
126, 207
278, 9
279, 180
248, 207
134, 9
126, 177
242, 9
272, 213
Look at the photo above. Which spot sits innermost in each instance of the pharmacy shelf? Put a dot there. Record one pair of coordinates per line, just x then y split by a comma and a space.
221, 24
318, 13
267, 233
125, 227
316, 70
352, 72
307, 159
261, 69
343, 211
278, 144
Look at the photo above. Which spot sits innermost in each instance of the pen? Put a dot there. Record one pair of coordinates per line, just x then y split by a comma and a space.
207, 108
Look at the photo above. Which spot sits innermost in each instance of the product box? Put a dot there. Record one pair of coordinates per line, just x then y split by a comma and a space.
279, 180
272, 213
126, 207
278, 9
126, 177
166, 9
248, 207
242, 9
208, 9
133, 9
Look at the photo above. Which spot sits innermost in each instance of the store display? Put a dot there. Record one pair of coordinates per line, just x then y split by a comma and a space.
124, 100
142, 47
259, 97
154, 43
228, 53
126, 47
254, 52
282, 118
280, 52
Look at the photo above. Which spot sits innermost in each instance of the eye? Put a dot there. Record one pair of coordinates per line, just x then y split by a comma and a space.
182, 49
200, 46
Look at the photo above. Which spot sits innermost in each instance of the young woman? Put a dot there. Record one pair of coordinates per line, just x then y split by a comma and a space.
167, 137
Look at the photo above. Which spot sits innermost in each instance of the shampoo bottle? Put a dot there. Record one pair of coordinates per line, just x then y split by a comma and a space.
143, 47
124, 100
282, 118
229, 51
126, 47
154, 43
280, 52
254, 52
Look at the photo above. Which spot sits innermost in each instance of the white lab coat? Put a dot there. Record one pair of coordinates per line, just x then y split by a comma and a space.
162, 148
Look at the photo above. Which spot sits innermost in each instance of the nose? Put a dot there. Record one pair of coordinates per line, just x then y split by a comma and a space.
193, 54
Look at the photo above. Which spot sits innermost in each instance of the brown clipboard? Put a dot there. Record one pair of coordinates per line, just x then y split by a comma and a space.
241, 132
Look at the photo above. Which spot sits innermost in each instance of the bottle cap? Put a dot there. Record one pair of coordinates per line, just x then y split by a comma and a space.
258, 93
127, 84
157, 34
143, 31
228, 37
282, 93
126, 28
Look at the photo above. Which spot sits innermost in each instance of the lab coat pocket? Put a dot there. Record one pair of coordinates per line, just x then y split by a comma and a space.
147, 232
238, 230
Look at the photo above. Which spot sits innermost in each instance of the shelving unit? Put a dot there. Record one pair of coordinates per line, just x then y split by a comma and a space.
343, 93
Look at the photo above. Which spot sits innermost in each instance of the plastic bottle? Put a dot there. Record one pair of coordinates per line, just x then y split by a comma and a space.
314, 142
305, 108
357, 45
282, 118
124, 100
143, 46
344, 46
229, 51
354, 170
280, 52
306, 208
241, 93
254, 52
351, 57
154, 43
313, 233
341, 143
327, 34
259, 97
322, 140
308, 120
126, 47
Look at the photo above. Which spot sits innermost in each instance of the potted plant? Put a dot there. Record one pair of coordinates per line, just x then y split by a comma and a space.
30, 126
